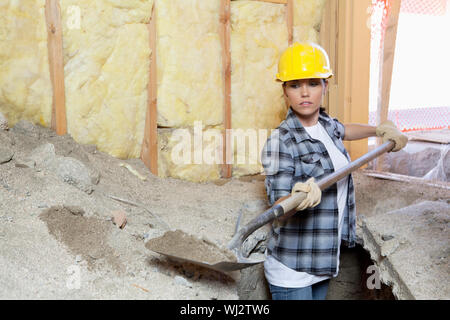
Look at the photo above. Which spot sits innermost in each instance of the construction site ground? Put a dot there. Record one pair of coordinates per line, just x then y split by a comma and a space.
58, 239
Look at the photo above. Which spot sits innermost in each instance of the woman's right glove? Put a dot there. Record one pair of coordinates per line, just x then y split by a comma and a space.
314, 194
388, 131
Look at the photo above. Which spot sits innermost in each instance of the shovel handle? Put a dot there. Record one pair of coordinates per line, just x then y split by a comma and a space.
285, 207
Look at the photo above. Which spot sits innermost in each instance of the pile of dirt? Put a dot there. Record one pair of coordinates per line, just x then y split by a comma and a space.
57, 198
85, 237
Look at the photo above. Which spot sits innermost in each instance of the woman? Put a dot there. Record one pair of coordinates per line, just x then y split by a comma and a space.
303, 251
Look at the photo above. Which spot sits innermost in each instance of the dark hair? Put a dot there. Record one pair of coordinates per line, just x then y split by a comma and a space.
324, 80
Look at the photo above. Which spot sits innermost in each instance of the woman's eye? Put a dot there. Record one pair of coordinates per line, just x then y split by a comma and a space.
314, 83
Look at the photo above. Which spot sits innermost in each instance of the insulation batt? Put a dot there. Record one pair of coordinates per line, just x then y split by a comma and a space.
25, 87
307, 19
259, 35
190, 78
106, 73
190, 154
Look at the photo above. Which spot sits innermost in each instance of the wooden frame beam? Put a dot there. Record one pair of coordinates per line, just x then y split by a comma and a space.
56, 65
329, 41
387, 61
346, 37
225, 36
386, 67
149, 151
290, 20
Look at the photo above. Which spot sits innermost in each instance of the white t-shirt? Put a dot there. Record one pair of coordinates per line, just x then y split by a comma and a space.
277, 273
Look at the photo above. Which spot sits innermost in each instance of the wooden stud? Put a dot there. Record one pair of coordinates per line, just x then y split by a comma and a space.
386, 67
344, 58
225, 14
387, 63
350, 102
56, 65
359, 81
329, 40
149, 151
290, 20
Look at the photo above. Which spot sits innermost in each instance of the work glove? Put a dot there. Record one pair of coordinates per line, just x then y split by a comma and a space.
314, 194
388, 131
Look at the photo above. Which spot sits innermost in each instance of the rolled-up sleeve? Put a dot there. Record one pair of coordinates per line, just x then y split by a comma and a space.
278, 164
340, 128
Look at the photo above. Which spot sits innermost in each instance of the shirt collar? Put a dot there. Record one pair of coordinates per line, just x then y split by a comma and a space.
298, 130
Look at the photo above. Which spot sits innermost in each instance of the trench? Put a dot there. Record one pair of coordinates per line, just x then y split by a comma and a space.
355, 281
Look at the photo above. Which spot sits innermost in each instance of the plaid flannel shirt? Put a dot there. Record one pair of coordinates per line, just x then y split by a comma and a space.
308, 241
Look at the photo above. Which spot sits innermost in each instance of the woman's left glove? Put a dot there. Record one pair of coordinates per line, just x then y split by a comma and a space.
314, 194
388, 131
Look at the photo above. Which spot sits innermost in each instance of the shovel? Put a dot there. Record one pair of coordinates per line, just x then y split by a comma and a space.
283, 209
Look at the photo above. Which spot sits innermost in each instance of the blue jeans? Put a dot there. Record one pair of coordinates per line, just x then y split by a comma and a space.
317, 291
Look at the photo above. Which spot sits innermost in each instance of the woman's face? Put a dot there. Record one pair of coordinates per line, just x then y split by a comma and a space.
305, 97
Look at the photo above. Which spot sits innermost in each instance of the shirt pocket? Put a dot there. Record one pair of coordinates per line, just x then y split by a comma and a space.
310, 165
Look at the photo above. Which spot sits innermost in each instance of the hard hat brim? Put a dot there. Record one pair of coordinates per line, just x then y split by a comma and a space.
303, 76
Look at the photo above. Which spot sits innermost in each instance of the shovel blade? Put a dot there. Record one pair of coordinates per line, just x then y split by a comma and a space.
222, 266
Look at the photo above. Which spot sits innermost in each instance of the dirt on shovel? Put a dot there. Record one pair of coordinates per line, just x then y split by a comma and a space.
180, 244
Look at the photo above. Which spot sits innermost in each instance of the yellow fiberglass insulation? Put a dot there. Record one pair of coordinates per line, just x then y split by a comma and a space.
190, 79
106, 68
106, 71
307, 19
25, 87
259, 36
192, 154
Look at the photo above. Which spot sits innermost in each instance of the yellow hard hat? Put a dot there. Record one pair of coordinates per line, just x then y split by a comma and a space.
304, 61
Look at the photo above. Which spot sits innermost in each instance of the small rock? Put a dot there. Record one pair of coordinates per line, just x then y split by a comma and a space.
387, 237
90, 148
182, 281
73, 172
389, 247
42, 155
78, 258
75, 210
26, 128
119, 218
95, 176
252, 242
25, 163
